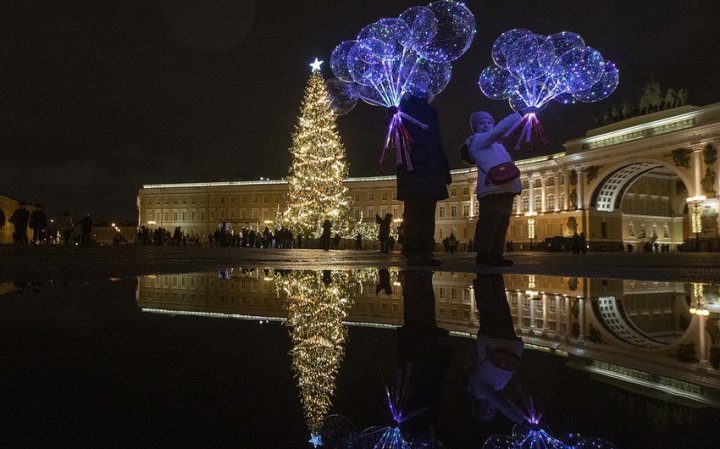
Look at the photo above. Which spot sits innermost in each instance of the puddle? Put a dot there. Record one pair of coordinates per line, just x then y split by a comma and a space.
261, 358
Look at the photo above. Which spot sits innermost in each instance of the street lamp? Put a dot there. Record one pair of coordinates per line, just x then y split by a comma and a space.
695, 202
531, 226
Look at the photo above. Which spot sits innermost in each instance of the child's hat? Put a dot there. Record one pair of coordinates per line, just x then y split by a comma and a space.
475, 117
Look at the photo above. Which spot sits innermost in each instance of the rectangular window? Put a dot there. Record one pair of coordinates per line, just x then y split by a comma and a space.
441, 212
466, 210
383, 196
466, 190
453, 211
184, 215
453, 191
192, 215
166, 216
356, 197
371, 213
222, 200
394, 195
370, 196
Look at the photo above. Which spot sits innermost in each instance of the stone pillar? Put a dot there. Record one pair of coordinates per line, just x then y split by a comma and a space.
543, 192
697, 165
531, 190
558, 206
580, 188
566, 187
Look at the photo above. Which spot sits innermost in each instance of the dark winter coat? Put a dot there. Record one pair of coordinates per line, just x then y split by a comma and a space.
431, 171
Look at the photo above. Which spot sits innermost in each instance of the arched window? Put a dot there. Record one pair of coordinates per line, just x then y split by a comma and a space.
551, 202
525, 204
538, 203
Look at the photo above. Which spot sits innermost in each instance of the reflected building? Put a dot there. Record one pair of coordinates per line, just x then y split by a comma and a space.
660, 339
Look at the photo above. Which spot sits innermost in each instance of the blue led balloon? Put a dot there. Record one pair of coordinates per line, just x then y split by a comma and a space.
455, 31
390, 32
603, 87
565, 41
582, 67
338, 61
497, 83
364, 64
410, 54
531, 56
343, 96
422, 26
532, 69
504, 42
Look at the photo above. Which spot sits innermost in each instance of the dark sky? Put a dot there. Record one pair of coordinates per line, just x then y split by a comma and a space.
100, 97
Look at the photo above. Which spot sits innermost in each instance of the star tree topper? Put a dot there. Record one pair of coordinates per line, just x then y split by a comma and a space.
316, 65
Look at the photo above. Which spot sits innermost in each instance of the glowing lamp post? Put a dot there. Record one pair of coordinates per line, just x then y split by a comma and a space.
531, 226
695, 202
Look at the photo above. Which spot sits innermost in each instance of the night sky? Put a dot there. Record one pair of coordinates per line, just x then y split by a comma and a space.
100, 97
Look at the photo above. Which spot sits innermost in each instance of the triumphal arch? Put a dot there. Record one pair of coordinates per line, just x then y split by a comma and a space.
649, 181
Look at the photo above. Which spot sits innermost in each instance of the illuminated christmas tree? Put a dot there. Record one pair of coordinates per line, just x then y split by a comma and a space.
315, 183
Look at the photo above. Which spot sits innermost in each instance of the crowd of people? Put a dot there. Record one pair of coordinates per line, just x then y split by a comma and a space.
44, 231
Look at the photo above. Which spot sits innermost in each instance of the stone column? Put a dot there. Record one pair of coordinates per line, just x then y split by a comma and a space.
531, 190
566, 186
558, 206
580, 188
697, 165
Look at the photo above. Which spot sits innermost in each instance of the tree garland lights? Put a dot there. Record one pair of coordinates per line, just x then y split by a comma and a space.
315, 184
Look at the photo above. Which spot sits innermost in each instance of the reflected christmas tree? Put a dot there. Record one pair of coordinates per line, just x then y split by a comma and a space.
318, 302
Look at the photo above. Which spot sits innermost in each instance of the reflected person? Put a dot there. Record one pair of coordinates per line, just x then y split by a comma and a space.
424, 349
498, 351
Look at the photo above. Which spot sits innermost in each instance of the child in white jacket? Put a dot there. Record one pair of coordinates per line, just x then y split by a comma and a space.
485, 150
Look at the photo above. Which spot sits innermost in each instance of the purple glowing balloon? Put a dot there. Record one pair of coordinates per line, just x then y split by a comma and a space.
455, 31
338, 60
582, 67
565, 41
603, 87
497, 83
343, 96
531, 57
422, 25
504, 42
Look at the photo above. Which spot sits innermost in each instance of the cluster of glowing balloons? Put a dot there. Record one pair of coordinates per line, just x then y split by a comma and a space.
524, 436
531, 69
394, 56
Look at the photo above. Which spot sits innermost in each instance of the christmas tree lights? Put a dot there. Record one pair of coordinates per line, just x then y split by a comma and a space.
315, 183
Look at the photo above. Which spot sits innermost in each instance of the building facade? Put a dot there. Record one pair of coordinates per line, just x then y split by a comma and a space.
648, 181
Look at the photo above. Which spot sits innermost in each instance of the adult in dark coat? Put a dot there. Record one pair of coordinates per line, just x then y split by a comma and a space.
422, 183
38, 224
384, 231
86, 230
20, 219
325, 236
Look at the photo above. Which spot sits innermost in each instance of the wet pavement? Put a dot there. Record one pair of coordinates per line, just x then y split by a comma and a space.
78, 262
254, 348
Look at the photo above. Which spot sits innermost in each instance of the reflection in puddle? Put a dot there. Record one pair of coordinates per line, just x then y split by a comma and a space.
360, 355
657, 339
